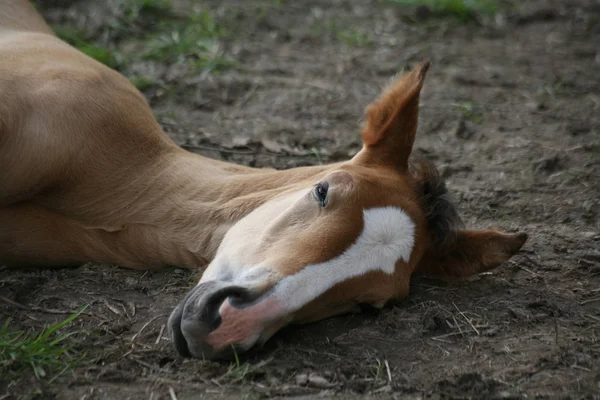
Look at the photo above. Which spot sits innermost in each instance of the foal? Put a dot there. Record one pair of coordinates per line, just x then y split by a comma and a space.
89, 176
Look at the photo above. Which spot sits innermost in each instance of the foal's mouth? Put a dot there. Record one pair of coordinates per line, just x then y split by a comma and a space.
215, 319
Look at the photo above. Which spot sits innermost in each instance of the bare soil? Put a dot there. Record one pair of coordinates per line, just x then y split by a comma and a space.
510, 114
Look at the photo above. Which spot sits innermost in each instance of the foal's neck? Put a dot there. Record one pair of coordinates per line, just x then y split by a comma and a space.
190, 202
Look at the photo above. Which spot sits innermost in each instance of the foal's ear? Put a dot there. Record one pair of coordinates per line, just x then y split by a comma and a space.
470, 253
392, 119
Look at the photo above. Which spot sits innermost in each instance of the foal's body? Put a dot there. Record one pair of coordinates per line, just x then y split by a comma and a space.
87, 174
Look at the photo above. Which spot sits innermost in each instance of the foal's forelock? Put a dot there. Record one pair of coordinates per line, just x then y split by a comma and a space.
443, 221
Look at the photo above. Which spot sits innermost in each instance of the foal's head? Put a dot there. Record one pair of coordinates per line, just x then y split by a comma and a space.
351, 235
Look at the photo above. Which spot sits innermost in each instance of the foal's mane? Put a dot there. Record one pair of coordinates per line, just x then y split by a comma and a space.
443, 221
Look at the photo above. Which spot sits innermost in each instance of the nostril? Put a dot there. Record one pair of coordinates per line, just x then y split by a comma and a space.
239, 296
198, 315
210, 312
201, 308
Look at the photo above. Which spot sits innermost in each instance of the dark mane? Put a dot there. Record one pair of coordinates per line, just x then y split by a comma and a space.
443, 220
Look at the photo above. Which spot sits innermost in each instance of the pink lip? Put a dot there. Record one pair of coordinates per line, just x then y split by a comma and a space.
243, 326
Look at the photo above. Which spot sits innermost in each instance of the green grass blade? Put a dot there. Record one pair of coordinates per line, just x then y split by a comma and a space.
43, 353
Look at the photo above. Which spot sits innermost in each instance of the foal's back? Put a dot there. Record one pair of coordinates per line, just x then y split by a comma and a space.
19, 15
64, 117
77, 141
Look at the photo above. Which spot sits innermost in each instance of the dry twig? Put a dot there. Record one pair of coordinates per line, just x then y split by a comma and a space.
146, 324
467, 319
389, 373
162, 329
39, 309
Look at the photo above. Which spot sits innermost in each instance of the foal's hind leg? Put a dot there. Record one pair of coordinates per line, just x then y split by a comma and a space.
31, 162
32, 235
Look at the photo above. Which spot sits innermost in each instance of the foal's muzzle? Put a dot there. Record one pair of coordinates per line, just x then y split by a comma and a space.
198, 315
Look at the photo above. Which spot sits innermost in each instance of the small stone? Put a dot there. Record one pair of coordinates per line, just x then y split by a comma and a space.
491, 332
319, 382
384, 389
273, 381
537, 105
301, 379
505, 394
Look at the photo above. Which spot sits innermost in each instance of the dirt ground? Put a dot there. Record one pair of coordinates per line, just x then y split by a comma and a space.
510, 114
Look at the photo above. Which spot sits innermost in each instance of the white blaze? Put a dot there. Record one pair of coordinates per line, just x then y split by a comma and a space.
387, 237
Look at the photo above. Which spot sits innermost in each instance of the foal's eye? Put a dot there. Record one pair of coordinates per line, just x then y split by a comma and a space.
320, 193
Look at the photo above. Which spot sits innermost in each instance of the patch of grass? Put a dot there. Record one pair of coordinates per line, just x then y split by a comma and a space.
354, 38
171, 37
376, 369
239, 372
463, 10
137, 18
46, 353
193, 40
351, 37
470, 111
157, 32
78, 39
244, 372
556, 88
212, 59
142, 82
134, 9
550, 91
237, 358
318, 155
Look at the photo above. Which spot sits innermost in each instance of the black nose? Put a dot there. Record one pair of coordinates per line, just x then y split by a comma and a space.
198, 314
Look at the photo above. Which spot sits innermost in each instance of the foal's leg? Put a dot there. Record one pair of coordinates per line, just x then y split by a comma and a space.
32, 235
32, 159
